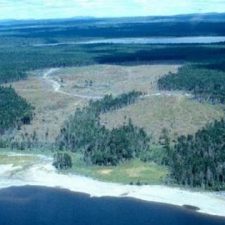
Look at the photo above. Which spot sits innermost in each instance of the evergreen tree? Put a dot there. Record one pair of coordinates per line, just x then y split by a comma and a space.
62, 161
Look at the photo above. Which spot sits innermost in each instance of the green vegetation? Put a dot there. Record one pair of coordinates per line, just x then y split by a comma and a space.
133, 171
198, 160
148, 53
10, 74
187, 25
178, 114
215, 65
123, 153
27, 58
84, 133
62, 161
205, 84
14, 110
108, 103
6, 158
116, 146
25, 43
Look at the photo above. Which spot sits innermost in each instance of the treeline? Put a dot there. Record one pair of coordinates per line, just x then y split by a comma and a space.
188, 52
14, 110
117, 29
16, 61
204, 84
218, 65
11, 74
109, 103
198, 160
84, 133
24, 57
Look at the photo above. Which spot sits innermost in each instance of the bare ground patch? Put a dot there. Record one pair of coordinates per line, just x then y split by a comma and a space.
177, 114
105, 171
53, 108
112, 79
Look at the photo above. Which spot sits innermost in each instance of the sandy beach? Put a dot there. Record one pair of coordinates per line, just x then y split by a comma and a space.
44, 174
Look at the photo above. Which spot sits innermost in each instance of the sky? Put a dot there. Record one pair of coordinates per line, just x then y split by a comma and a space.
37, 9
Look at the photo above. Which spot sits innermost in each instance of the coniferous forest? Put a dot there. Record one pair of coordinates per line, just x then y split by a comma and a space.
204, 84
195, 160
84, 133
198, 160
14, 110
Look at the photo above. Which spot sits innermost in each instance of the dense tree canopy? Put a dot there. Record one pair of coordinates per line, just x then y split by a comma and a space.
109, 103
199, 160
84, 133
205, 84
62, 161
16, 62
120, 144
14, 110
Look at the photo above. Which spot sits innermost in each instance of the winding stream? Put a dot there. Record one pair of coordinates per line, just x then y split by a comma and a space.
56, 86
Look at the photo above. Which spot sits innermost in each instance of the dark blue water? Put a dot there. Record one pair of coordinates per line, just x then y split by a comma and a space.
46, 206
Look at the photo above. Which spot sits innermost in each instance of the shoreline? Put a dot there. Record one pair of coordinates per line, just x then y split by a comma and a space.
44, 174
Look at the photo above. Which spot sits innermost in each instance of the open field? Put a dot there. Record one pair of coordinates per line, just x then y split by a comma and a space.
16, 159
178, 114
53, 107
77, 85
99, 80
132, 172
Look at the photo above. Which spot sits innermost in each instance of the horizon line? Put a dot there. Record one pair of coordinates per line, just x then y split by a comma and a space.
112, 17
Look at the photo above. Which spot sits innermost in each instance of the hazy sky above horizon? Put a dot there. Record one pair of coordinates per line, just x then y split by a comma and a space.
27, 9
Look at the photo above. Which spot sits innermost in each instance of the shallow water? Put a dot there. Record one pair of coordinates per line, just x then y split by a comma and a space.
47, 206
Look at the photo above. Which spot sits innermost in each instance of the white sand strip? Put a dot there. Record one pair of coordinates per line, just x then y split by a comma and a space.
44, 174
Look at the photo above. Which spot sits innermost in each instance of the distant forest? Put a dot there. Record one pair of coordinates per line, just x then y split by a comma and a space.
27, 58
116, 29
194, 160
204, 84
180, 53
18, 53
16, 62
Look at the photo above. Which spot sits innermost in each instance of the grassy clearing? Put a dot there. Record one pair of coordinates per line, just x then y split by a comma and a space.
133, 171
112, 79
52, 109
177, 114
6, 158
16, 160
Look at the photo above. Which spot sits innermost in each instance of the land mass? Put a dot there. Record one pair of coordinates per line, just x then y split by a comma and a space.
105, 104
29, 169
